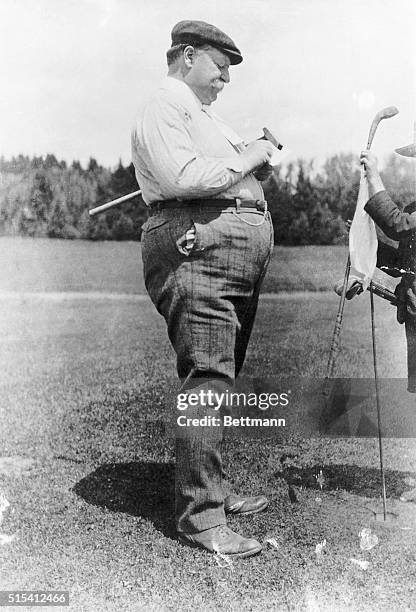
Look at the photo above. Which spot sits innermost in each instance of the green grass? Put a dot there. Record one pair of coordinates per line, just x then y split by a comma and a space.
87, 387
28, 264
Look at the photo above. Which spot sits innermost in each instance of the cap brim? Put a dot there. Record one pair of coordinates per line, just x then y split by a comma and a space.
235, 58
408, 151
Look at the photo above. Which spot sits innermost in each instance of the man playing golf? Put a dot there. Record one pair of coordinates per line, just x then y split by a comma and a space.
205, 248
400, 226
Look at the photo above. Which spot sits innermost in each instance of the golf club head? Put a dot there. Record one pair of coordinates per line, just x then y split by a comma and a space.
267, 135
387, 112
384, 113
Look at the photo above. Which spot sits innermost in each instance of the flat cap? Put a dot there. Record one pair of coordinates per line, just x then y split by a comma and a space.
408, 151
199, 32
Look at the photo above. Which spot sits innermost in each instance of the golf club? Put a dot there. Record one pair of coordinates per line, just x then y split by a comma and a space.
376, 382
103, 207
385, 113
267, 135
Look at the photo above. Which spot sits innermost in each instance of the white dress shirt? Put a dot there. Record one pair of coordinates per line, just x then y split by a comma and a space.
182, 150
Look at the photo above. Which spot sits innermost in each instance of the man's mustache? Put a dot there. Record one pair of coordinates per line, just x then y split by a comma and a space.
218, 84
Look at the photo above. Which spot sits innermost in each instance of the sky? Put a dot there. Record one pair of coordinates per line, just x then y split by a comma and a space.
315, 72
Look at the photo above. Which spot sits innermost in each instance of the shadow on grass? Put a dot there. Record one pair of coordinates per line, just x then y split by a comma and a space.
143, 489
358, 480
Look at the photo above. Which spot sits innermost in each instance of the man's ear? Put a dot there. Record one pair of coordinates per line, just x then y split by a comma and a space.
188, 55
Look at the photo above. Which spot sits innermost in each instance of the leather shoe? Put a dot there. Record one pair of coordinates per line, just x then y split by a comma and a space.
222, 540
234, 504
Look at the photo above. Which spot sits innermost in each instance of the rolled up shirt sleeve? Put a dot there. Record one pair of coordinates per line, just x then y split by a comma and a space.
389, 217
174, 159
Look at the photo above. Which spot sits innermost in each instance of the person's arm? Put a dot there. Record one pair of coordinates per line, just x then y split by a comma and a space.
381, 207
387, 256
177, 164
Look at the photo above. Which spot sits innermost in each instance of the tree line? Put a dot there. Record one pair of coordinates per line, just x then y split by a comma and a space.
42, 196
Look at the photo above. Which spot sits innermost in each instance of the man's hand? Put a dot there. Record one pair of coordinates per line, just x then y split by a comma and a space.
369, 160
264, 172
256, 154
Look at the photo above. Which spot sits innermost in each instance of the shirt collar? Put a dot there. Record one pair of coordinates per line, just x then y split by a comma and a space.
182, 91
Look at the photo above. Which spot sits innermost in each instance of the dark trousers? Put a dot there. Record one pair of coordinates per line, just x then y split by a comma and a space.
410, 324
406, 313
207, 291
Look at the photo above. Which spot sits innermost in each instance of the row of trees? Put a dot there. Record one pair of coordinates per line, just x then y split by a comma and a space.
42, 196
46, 197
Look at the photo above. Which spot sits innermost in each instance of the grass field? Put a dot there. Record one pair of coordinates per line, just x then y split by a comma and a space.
28, 264
86, 462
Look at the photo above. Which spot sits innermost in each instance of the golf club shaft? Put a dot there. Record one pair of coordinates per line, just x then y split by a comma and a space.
338, 323
372, 132
383, 114
380, 443
103, 207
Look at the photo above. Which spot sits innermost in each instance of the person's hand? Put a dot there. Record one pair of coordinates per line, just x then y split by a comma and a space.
375, 184
369, 160
256, 154
264, 172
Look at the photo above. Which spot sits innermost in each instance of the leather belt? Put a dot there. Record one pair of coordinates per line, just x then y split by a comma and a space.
234, 204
